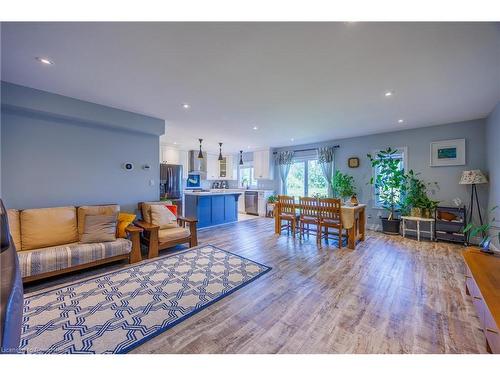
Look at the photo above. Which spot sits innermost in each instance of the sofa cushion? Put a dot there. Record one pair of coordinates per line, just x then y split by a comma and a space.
170, 234
163, 217
146, 209
124, 220
44, 227
49, 259
109, 209
15, 227
99, 228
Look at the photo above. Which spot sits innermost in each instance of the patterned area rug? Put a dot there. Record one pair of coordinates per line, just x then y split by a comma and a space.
120, 310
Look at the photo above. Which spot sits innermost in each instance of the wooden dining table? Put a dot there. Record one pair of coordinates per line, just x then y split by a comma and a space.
353, 219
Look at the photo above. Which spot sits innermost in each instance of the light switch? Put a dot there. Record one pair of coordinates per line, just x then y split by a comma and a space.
151, 182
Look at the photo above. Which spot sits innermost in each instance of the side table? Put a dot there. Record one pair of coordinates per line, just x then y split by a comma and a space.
418, 220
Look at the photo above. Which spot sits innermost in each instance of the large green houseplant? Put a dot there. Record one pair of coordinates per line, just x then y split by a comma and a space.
389, 182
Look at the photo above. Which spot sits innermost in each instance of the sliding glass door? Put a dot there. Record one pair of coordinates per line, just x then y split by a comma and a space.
306, 179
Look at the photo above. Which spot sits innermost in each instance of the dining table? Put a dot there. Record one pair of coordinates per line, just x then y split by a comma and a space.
353, 219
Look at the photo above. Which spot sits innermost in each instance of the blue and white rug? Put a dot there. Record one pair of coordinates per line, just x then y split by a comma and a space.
120, 310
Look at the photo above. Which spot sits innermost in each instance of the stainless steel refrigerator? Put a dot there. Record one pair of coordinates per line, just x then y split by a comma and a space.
171, 184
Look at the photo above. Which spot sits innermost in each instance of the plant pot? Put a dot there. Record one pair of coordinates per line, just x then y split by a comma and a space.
416, 212
390, 226
427, 213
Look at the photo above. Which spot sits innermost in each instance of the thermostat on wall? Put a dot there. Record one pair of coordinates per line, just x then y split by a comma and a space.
128, 166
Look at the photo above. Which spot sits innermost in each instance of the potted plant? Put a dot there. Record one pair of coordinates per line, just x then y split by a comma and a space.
389, 182
415, 200
271, 203
473, 230
343, 186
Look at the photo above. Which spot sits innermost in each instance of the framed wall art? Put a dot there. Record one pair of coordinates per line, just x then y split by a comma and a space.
447, 153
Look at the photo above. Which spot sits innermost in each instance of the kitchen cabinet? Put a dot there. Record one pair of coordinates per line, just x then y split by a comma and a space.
227, 168
263, 165
212, 208
241, 203
172, 155
212, 167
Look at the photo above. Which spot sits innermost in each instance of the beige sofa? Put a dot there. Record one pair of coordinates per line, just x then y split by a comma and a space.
47, 241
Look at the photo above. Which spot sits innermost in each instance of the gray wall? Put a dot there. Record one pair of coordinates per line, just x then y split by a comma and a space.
57, 151
493, 164
417, 142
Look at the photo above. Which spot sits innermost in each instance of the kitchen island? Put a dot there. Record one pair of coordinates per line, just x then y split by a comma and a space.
211, 208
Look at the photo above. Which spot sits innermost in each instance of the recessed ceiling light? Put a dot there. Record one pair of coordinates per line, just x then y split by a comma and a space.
248, 146
175, 143
292, 139
388, 93
186, 106
401, 120
44, 60
255, 128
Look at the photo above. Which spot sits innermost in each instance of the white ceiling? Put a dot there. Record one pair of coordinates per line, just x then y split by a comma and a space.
307, 81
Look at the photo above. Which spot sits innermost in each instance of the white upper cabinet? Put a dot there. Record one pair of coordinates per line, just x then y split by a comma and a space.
173, 155
212, 167
228, 169
263, 165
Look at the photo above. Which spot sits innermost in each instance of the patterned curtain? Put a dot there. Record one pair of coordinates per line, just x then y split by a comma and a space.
284, 160
326, 160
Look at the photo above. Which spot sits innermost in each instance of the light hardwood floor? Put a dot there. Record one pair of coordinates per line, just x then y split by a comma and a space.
390, 295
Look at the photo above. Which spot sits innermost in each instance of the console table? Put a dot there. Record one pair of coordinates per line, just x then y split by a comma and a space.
482, 283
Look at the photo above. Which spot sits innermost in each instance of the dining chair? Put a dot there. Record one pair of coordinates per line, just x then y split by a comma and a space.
287, 212
309, 214
330, 216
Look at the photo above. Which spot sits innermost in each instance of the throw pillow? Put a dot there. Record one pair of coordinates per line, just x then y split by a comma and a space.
163, 217
173, 208
124, 220
99, 228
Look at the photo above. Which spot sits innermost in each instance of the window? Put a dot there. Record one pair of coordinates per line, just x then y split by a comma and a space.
246, 177
401, 155
305, 179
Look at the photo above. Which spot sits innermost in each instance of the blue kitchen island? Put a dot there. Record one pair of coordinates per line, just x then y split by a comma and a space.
211, 208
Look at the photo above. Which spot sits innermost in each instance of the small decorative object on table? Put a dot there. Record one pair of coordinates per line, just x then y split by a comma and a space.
354, 200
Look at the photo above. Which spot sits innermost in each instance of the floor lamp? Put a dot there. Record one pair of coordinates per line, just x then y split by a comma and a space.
473, 177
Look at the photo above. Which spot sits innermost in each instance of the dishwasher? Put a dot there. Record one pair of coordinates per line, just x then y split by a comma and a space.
252, 202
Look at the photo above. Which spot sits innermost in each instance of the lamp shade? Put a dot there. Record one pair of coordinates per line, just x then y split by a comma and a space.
474, 176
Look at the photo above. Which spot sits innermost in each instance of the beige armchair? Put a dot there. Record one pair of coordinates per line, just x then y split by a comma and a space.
158, 239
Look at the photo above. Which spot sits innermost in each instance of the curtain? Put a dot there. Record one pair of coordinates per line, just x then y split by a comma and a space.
326, 160
284, 160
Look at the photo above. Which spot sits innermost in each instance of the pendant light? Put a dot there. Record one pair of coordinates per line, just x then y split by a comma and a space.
220, 151
241, 157
200, 154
